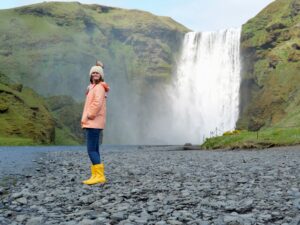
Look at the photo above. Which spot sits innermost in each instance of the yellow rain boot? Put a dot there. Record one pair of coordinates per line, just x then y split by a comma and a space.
92, 176
99, 175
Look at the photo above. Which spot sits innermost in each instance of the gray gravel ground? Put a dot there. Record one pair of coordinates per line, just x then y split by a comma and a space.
155, 186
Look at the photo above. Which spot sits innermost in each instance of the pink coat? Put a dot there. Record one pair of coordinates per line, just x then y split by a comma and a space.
94, 111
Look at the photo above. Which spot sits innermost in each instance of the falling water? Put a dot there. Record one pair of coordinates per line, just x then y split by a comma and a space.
205, 95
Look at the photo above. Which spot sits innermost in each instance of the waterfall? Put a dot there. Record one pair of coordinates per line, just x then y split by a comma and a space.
205, 94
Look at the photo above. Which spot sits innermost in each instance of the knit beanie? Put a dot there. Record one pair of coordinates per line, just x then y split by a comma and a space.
97, 69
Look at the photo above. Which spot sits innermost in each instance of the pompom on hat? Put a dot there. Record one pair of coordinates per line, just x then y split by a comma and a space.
99, 63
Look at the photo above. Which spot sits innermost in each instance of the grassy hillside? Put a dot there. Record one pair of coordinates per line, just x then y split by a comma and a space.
25, 118
270, 90
51, 46
265, 138
67, 113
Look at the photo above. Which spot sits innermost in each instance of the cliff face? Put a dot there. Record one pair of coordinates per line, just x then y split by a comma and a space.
67, 113
23, 114
51, 46
27, 118
270, 48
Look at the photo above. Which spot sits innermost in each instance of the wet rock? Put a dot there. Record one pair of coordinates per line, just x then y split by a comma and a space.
71, 223
17, 195
87, 222
233, 220
126, 222
161, 223
8, 213
22, 201
3, 220
35, 221
118, 216
174, 222
297, 203
265, 217
141, 220
200, 222
295, 221
245, 206
161, 187
21, 218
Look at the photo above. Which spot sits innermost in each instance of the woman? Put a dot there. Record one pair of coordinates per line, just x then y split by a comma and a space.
93, 121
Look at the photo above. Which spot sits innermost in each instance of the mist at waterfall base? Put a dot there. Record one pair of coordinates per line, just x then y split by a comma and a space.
202, 99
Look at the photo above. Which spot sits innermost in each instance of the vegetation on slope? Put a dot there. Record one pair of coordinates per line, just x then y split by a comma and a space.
50, 46
25, 118
264, 138
270, 92
67, 113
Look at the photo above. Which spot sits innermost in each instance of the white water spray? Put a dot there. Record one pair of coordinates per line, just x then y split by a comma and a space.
205, 95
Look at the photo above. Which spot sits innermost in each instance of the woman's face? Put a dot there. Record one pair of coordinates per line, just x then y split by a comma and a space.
96, 76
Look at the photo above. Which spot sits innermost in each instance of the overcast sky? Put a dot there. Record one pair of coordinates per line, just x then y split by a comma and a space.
198, 15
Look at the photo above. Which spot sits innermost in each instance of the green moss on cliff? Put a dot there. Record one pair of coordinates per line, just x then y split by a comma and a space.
51, 46
26, 120
67, 113
63, 136
24, 117
271, 63
270, 96
55, 42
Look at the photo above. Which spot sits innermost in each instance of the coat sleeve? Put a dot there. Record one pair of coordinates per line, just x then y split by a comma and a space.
97, 102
